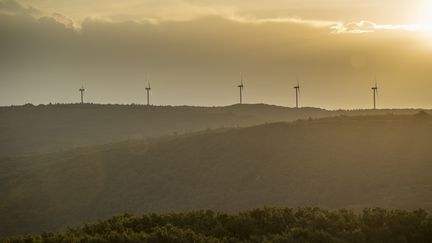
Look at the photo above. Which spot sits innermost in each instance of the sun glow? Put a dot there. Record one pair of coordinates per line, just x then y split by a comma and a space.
425, 15
424, 20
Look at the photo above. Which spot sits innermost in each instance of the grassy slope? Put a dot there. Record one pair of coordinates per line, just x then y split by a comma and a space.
353, 162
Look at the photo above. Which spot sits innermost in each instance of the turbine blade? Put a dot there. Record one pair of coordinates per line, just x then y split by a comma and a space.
376, 87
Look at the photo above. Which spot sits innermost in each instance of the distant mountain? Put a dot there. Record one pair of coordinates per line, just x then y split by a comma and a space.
350, 162
32, 129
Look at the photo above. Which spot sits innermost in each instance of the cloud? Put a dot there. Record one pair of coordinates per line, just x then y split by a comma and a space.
156, 12
67, 22
196, 11
14, 7
354, 27
309, 22
368, 27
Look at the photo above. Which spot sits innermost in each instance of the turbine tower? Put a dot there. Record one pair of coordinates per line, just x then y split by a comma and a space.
297, 90
148, 88
240, 86
375, 94
82, 90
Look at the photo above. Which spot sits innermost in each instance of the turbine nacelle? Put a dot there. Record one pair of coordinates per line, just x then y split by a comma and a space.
298, 84
375, 94
148, 83
82, 90
148, 88
376, 85
241, 81
241, 86
375, 88
297, 93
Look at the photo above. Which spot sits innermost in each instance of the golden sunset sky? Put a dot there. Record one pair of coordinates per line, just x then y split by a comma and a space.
194, 51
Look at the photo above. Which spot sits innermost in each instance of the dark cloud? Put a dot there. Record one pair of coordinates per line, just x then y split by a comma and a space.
14, 7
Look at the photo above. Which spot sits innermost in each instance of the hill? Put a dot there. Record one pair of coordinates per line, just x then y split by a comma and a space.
312, 225
339, 162
32, 129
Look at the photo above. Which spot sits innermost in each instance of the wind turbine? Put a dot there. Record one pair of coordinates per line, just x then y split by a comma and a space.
240, 86
375, 94
148, 88
297, 90
82, 90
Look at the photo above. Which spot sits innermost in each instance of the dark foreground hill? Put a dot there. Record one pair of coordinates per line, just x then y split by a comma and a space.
273, 225
343, 162
50, 128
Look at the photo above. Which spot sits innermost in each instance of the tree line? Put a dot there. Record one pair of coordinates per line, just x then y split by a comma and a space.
303, 225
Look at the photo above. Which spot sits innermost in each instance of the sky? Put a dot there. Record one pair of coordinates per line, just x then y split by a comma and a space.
193, 51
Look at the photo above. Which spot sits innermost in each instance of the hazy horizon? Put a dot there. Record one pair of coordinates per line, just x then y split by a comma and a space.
194, 51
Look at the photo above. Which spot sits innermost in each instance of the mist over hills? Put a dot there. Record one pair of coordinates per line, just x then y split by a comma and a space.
32, 129
350, 162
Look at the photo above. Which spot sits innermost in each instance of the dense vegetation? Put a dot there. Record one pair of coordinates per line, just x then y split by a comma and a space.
341, 162
305, 225
32, 129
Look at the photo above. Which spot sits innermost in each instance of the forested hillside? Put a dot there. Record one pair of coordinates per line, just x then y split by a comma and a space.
32, 129
340, 162
312, 225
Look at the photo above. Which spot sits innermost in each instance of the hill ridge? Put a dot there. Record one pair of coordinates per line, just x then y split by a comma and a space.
48, 128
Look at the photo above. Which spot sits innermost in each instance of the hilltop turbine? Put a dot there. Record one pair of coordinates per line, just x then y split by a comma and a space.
240, 86
375, 94
297, 90
148, 88
82, 90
